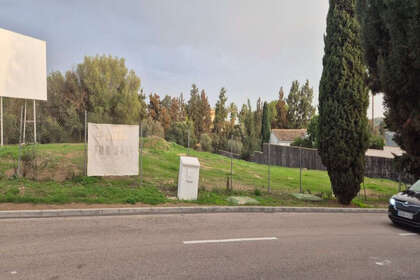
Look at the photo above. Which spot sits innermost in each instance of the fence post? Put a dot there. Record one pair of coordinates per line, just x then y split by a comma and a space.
24, 126
35, 122
269, 164
300, 169
364, 188
188, 143
141, 153
85, 162
231, 163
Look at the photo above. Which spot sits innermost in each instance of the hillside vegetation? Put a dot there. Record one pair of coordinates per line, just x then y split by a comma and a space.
59, 172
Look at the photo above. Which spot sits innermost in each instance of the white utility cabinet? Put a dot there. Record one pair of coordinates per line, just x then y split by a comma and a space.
189, 173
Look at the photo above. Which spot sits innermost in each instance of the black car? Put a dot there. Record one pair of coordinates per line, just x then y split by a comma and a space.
404, 207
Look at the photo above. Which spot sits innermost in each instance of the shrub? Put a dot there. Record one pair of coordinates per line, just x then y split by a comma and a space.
178, 133
302, 142
235, 145
206, 143
152, 128
376, 142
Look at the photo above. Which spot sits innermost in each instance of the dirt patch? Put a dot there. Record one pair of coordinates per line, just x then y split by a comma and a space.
72, 155
62, 173
204, 165
9, 173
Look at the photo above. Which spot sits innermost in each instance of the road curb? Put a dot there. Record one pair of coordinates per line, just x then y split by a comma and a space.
177, 210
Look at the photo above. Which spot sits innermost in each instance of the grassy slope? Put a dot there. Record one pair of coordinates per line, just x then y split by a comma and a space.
64, 162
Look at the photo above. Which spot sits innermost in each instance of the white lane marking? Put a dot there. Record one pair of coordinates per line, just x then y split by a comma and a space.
230, 240
408, 234
13, 272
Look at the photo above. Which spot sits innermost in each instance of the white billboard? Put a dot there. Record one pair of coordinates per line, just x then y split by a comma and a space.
23, 66
113, 150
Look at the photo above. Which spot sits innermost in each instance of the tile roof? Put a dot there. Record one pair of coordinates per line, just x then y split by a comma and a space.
288, 134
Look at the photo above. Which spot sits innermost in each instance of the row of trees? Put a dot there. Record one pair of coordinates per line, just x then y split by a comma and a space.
110, 93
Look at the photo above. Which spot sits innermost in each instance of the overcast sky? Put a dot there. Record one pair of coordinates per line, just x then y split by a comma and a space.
250, 47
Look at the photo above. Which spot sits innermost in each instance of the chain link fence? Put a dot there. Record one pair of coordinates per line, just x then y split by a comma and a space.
68, 161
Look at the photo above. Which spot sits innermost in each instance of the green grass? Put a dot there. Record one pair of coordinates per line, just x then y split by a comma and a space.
60, 170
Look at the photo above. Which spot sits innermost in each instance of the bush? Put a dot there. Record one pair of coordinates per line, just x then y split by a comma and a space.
235, 145
313, 131
206, 143
302, 142
376, 142
178, 133
152, 128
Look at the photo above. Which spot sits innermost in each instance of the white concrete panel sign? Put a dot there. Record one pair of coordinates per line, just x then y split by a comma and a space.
113, 150
23, 66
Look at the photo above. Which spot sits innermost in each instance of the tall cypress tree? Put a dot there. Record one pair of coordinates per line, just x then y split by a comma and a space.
343, 102
266, 125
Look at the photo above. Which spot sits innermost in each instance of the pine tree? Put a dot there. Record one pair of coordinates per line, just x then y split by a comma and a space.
233, 112
154, 106
250, 140
219, 123
293, 106
258, 114
221, 112
391, 39
280, 121
306, 110
265, 128
194, 109
299, 102
343, 102
182, 108
205, 121
175, 110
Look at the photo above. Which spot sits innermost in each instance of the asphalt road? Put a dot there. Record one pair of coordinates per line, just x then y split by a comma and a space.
297, 246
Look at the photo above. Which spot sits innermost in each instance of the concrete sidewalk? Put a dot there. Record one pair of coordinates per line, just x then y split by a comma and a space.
176, 210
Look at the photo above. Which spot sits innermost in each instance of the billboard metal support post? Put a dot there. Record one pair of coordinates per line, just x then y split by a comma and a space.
1, 117
34, 122
21, 125
20, 140
24, 126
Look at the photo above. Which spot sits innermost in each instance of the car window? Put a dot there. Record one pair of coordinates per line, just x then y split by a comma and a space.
415, 187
